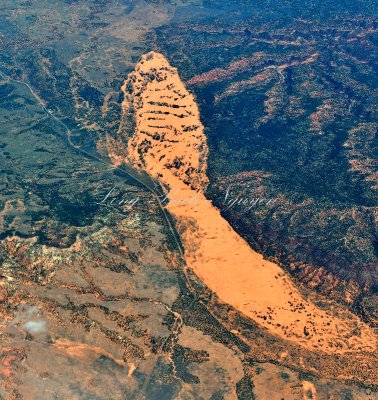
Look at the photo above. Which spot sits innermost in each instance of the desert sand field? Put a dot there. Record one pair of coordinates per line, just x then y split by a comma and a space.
169, 143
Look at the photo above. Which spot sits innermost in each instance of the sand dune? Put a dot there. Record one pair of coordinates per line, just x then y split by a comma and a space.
169, 143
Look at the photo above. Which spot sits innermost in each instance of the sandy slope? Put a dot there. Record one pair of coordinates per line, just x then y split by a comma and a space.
169, 143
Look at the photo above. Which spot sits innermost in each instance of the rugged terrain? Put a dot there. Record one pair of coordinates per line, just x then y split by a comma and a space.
288, 107
97, 301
